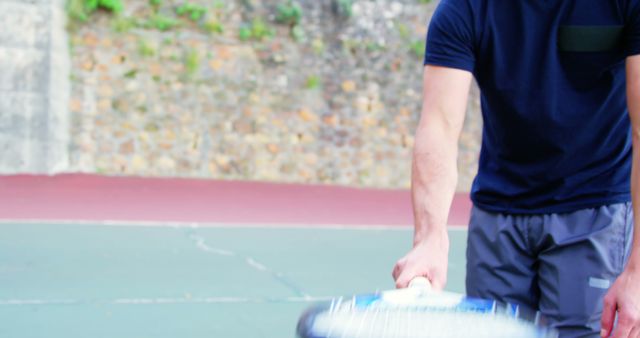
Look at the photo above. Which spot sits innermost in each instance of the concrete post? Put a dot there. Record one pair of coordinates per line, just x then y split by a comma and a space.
34, 87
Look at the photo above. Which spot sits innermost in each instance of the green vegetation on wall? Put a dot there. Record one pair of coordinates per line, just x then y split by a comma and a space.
191, 11
146, 48
313, 82
256, 30
191, 62
344, 7
160, 22
213, 26
289, 13
81, 10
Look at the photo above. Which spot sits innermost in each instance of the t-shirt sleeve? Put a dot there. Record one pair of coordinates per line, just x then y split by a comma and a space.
633, 29
450, 41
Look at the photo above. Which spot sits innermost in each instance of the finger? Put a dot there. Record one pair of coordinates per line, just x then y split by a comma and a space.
438, 279
397, 269
403, 280
623, 329
608, 317
627, 321
635, 332
439, 283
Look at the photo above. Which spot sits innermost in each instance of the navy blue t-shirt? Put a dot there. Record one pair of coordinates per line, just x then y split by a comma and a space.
556, 135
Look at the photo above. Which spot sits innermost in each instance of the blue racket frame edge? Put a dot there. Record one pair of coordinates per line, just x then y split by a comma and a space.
305, 326
305, 323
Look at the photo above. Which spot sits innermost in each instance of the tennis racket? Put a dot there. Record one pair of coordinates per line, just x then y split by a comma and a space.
419, 312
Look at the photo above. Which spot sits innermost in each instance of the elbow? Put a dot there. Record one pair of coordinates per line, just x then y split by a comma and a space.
635, 135
440, 120
435, 132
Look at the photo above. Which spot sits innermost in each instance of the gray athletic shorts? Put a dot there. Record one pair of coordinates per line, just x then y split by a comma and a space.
558, 264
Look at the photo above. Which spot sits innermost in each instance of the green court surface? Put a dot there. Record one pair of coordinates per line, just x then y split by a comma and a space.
128, 281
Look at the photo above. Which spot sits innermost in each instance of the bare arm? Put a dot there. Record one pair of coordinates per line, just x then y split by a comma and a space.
434, 173
633, 98
624, 295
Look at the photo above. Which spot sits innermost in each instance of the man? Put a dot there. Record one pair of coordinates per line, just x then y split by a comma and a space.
552, 223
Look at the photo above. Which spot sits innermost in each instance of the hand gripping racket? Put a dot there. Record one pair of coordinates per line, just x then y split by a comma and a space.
419, 312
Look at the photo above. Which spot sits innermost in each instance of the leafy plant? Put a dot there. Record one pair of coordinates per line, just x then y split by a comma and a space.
245, 33
417, 48
424, 1
123, 24
289, 13
81, 10
192, 11
115, 6
298, 33
131, 73
258, 30
213, 26
192, 62
313, 82
76, 10
343, 7
155, 3
146, 49
403, 30
161, 22
218, 4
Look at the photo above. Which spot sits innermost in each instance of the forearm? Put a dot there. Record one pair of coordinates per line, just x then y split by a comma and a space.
434, 177
633, 101
634, 259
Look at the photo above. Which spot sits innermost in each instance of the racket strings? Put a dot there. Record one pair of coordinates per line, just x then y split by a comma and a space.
349, 321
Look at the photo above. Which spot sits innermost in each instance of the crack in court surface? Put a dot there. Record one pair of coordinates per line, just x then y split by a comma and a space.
279, 277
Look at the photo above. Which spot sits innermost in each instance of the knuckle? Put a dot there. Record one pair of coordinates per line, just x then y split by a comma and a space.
608, 301
628, 317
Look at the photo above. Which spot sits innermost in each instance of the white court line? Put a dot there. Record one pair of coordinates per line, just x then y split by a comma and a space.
155, 301
172, 224
37, 301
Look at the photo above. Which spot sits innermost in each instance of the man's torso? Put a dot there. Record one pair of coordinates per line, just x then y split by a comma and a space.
556, 132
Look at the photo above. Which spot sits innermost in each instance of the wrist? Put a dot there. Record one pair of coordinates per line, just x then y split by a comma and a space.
633, 265
433, 234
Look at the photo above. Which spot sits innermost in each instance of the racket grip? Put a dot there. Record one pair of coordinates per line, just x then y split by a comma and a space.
420, 282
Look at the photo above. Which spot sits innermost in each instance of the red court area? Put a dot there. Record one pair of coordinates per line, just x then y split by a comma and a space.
100, 198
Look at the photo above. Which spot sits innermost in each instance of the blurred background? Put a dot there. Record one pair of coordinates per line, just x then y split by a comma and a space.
207, 168
306, 91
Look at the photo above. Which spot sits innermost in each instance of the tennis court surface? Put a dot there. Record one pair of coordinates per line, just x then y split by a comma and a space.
87, 256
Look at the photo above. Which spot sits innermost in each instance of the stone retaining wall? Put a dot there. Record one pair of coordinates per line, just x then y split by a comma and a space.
231, 94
